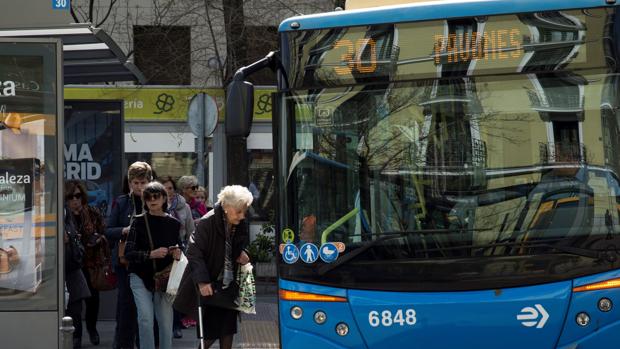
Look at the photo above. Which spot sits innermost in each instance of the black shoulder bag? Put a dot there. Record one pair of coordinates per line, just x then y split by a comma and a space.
160, 277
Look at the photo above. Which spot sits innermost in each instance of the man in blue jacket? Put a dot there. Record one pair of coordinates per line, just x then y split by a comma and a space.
124, 209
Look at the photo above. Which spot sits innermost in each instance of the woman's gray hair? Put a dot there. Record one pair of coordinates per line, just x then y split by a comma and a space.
186, 182
235, 196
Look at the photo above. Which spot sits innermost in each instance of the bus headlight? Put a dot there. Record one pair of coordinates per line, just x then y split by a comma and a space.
605, 304
583, 319
296, 312
320, 317
342, 329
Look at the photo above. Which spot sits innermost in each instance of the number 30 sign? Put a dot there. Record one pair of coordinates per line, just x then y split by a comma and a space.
61, 4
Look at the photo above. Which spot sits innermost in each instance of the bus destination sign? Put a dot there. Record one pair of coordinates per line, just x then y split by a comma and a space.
466, 47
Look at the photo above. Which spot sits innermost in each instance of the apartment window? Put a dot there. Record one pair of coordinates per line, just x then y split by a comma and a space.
163, 53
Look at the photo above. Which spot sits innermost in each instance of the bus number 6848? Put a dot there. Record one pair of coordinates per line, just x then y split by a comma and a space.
386, 318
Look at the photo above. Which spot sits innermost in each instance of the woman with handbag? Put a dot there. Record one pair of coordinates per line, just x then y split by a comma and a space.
89, 225
152, 244
215, 252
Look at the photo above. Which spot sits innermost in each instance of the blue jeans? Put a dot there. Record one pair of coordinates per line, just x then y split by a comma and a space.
152, 305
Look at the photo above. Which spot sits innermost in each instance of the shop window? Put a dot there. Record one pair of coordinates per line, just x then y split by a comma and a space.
174, 165
163, 53
262, 184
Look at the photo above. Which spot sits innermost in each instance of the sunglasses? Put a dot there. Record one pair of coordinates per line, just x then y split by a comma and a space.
194, 187
74, 196
151, 197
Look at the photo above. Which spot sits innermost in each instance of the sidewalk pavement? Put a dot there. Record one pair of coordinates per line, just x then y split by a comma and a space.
258, 331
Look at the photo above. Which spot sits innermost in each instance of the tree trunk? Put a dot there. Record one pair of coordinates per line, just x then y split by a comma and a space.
236, 57
236, 38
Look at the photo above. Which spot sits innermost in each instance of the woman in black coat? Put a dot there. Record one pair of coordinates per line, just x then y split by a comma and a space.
215, 251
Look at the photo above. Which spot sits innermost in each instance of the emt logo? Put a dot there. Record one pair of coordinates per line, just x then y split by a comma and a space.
531, 317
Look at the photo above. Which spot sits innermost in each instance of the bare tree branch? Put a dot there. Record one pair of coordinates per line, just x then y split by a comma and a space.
220, 66
75, 18
91, 7
105, 18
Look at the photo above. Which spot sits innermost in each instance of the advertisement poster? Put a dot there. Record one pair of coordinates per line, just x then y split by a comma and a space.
21, 240
93, 150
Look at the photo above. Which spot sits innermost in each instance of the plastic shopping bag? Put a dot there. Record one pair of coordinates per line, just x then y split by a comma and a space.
246, 301
176, 273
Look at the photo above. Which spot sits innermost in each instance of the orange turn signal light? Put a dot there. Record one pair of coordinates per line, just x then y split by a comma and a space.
287, 295
603, 285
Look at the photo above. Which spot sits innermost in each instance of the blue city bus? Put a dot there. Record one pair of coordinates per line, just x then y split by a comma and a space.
447, 175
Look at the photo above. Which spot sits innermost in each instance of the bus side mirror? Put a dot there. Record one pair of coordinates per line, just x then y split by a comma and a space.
239, 108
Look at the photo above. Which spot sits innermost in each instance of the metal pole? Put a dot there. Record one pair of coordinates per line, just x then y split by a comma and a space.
200, 151
67, 330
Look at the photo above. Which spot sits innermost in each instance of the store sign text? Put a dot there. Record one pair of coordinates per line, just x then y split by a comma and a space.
7, 178
7, 88
80, 165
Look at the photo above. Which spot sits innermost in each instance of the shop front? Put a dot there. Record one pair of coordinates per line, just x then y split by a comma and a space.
156, 131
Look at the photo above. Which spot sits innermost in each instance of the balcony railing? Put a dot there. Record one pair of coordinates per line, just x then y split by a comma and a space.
556, 102
564, 152
458, 154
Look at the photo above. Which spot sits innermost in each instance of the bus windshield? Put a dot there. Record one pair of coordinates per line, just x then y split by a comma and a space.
427, 161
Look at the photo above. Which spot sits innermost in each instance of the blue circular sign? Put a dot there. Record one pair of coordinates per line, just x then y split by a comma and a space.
309, 253
328, 252
290, 254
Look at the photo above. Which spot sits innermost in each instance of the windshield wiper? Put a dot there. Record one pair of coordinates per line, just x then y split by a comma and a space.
598, 255
386, 236
606, 255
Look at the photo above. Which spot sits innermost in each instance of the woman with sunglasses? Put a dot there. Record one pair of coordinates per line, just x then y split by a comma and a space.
188, 186
87, 222
152, 244
179, 209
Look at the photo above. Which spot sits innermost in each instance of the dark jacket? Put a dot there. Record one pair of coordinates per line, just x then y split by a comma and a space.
164, 233
206, 256
119, 218
74, 254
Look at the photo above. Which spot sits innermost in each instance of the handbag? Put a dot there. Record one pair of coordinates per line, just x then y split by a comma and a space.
246, 300
75, 254
161, 277
121, 252
222, 297
101, 275
103, 279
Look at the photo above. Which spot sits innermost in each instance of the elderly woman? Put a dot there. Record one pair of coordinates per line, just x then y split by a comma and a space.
152, 244
214, 253
188, 185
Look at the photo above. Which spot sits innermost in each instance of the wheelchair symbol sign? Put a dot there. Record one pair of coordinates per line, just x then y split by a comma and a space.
290, 254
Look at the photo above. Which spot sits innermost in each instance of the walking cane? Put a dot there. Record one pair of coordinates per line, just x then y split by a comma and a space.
201, 335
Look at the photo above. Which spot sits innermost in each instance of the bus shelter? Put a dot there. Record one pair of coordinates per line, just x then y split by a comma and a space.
34, 66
